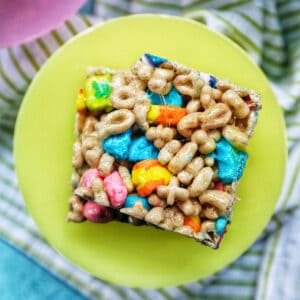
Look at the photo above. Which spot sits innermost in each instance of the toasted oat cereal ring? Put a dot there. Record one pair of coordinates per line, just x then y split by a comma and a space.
126, 177
222, 201
100, 195
193, 105
191, 170
179, 68
155, 215
216, 116
189, 84
118, 80
173, 192
201, 182
173, 218
159, 86
88, 125
160, 135
77, 159
141, 108
165, 114
188, 123
210, 212
79, 122
205, 143
209, 95
106, 164
235, 136
137, 211
236, 103
182, 157
190, 207
123, 97
168, 151
142, 70
126, 78
160, 81
208, 226
117, 121
76, 210
154, 200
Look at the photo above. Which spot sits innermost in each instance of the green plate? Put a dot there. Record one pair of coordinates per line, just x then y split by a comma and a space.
121, 253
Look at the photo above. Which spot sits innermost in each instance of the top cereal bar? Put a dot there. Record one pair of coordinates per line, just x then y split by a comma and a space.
161, 144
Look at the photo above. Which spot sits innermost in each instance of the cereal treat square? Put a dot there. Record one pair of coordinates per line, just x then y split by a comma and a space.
162, 145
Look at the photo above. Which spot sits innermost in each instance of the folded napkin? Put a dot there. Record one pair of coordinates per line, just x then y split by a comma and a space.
270, 32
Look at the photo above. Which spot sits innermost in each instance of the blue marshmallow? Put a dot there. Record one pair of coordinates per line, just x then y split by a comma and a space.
172, 98
118, 145
220, 225
212, 81
132, 199
231, 162
154, 60
141, 149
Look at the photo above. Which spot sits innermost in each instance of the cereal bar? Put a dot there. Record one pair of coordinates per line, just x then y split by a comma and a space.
160, 144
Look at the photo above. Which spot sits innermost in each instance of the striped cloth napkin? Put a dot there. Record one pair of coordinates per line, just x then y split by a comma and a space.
269, 31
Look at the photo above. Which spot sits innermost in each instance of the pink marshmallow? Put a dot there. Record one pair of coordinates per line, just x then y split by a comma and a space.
88, 177
115, 188
97, 213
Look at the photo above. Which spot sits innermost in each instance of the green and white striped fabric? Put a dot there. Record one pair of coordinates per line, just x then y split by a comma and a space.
269, 31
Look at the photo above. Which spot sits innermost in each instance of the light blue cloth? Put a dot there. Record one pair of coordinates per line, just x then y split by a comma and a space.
22, 278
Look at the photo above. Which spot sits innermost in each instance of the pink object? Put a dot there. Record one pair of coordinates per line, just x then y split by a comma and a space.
220, 186
97, 213
115, 188
24, 20
88, 178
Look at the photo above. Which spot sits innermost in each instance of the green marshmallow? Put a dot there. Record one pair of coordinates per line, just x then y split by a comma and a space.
98, 91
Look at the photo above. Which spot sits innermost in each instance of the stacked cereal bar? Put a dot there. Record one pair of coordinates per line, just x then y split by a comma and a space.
161, 144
